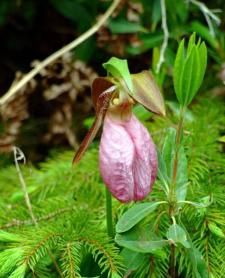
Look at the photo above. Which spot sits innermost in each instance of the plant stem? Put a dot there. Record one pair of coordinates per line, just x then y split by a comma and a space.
177, 147
109, 218
172, 268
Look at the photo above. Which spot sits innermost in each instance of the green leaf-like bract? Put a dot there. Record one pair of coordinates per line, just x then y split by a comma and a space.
118, 68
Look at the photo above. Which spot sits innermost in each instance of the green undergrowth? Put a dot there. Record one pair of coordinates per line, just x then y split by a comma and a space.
70, 238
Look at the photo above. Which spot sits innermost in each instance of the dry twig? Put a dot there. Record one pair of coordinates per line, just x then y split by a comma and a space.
15, 88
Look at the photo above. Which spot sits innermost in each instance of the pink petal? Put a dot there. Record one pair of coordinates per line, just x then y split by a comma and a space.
145, 161
116, 160
128, 159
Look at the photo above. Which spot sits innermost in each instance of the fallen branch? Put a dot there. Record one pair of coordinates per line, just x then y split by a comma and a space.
166, 36
15, 88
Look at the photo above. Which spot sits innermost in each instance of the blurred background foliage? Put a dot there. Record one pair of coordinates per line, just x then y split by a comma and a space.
53, 111
31, 30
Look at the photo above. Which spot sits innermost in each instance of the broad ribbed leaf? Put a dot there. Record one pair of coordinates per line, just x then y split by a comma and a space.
134, 215
147, 92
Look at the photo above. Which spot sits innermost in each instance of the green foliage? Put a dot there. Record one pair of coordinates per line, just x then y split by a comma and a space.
177, 234
69, 206
200, 222
189, 70
166, 165
134, 215
71, 225
68, 203
119, 69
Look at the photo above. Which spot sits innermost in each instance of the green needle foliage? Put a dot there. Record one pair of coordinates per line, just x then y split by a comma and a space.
69, 207
70, 239
202, 218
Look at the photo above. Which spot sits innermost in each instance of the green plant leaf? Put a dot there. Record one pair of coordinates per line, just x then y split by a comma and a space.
148, 41
118, 68
132, 259
178, 70
204, 32
168, 151
166, 162
141, 113
134, 215
189, 70
142, 246
74, 11
142, 240
162, 171
182, 175
175, 108
123, 26
178, 235
203, 204
222, 139
216, 230
202, 53
198, 264
191, 43
188, 75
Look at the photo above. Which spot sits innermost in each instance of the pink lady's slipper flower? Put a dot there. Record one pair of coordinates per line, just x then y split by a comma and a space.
128, 158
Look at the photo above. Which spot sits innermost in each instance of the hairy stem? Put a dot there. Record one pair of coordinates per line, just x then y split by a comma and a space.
15, 88
109, 218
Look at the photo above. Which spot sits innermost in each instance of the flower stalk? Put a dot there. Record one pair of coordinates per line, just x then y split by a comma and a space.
109, 217
172, 195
